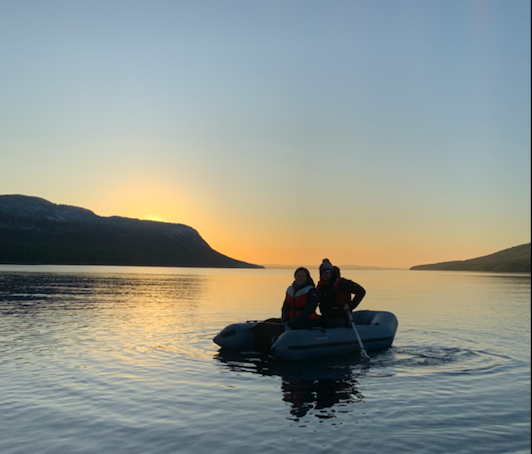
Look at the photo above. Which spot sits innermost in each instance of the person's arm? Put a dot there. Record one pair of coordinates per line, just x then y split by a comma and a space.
357, 290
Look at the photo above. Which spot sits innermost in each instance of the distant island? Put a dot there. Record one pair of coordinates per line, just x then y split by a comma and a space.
512, 260
36, 231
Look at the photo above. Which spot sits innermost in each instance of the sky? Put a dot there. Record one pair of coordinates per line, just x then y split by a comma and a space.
374, 133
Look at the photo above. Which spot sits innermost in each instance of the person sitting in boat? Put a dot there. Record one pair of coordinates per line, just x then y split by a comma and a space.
301, 301
334, 295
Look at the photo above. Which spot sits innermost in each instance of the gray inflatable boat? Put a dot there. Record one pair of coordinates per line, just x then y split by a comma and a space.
376, 328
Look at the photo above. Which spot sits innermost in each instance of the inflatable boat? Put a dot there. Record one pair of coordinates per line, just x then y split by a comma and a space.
376, 329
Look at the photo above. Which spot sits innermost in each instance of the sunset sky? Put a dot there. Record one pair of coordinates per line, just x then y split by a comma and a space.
382, 133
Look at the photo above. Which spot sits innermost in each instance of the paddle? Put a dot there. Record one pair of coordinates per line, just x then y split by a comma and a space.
363, 353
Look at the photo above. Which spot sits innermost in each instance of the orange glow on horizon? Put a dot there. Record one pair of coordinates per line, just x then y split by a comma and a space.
272, 240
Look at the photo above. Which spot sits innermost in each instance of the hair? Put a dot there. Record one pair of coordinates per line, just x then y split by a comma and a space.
307, 273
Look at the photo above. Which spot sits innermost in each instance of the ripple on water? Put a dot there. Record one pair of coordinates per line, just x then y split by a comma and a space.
410, 361
424, 360
329, 388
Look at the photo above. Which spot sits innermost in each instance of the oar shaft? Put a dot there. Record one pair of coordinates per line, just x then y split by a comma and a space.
354, 326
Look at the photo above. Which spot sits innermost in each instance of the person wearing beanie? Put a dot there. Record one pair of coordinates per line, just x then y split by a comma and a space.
325, 265
301, 301
334, 295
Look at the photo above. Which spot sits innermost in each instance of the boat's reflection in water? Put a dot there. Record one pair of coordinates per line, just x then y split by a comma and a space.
321, 387
320, 395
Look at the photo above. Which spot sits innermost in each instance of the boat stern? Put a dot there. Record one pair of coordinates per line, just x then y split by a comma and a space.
237, 336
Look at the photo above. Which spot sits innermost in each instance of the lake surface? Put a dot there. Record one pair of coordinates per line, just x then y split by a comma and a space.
121, 360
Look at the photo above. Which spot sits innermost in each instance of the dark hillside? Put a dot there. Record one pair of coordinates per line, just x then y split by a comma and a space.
35, 231
512, 260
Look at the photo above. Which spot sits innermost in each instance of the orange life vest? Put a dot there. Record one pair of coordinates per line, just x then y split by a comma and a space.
297, 301
336, 307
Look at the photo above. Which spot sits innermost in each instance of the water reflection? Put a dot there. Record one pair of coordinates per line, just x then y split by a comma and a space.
319, 395
321, 388
89, 314
326, 387
18, 291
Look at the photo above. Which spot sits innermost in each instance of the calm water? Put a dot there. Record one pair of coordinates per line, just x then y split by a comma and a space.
121, 360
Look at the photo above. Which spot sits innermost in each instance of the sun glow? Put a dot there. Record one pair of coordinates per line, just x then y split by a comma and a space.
153, 217
141, 198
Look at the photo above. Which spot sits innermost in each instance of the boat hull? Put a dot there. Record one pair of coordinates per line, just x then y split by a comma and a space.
376, 328
237, 336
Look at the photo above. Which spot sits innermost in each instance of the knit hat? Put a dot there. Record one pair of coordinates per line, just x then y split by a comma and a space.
326, 266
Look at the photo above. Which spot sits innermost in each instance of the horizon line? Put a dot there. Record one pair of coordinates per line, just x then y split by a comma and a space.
346, 267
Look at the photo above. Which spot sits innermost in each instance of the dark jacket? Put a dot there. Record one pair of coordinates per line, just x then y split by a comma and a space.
333, 295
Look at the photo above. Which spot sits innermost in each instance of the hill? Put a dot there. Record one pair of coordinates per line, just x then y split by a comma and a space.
36, 231
512, 260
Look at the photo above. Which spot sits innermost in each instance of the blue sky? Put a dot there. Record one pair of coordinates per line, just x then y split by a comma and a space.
381, 133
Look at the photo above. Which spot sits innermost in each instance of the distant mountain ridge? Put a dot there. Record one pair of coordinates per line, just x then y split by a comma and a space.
36, 231
512, 260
